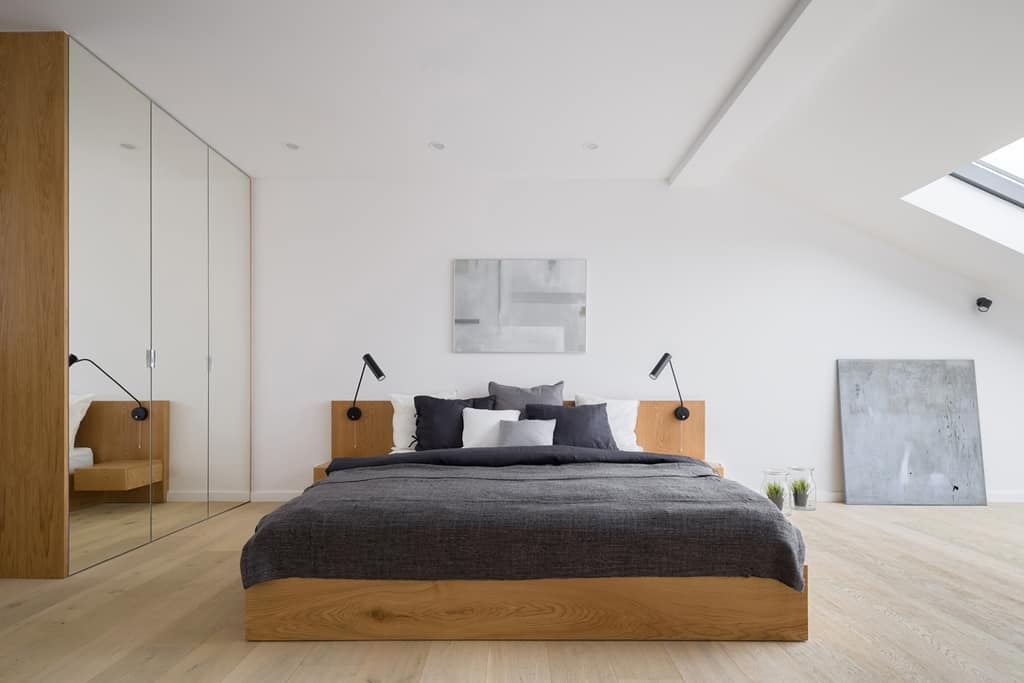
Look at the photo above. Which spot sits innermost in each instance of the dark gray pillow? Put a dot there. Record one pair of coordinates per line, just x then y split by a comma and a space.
526, 433
585, 426
516, 398
439, 420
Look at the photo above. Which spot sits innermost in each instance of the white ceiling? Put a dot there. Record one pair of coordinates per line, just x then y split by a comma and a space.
858, 105
512, 88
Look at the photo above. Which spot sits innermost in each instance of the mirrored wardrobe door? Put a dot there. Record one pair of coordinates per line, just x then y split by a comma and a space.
180, 317
229, 335
109, 467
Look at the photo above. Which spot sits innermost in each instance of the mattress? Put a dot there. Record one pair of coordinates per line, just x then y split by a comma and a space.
523, 513
79, 457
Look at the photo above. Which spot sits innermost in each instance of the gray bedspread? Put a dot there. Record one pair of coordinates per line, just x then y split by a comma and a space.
539, 512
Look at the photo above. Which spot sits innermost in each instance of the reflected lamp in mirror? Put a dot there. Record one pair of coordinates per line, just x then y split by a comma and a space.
354, 413
682, 412
138, 413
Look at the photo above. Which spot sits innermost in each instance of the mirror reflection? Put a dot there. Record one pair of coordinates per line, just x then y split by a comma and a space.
110, 475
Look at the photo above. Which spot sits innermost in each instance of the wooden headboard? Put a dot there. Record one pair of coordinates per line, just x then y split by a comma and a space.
657, 429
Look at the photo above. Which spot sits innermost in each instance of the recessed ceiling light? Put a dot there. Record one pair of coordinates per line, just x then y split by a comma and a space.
291, 145
436, 146
127, 145
591, 146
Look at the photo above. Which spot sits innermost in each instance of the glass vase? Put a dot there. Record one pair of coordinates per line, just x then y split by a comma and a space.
803, 492
775, 486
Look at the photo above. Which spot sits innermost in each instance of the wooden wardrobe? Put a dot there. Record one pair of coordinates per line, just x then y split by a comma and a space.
188, 294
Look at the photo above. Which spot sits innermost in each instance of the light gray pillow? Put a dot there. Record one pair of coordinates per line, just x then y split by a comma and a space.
526, 433
515, 398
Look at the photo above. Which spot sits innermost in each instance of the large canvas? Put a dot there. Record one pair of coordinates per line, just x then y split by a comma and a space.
519, 305
911, 434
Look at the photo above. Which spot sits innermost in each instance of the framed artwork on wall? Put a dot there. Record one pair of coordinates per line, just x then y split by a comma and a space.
519, 306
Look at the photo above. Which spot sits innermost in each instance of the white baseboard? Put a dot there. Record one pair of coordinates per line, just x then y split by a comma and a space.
993, 497
180, 496
823, 496
1006, 496
273, 496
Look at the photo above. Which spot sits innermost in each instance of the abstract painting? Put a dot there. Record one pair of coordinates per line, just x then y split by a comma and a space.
911, 434
519, 305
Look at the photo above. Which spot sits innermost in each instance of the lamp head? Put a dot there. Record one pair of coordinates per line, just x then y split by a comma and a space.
984, 303
374, 368
662, 362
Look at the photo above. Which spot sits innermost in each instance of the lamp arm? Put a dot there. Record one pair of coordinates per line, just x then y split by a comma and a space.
682, 412
138, 414
361, 373
123, 388
675, 381
354, 413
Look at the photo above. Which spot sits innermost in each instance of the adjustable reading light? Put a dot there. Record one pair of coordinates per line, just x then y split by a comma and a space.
682, 412
138, 414
354, 413
983, 304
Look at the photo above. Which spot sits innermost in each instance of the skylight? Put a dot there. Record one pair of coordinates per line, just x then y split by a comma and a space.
1001, 173
985, 196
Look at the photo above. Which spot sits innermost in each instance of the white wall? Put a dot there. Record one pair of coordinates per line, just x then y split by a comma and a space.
755, 300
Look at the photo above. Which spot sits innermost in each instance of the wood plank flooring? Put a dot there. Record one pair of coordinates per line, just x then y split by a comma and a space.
917, 594
98, 532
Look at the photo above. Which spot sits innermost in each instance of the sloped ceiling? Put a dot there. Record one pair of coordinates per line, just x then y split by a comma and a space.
919, 88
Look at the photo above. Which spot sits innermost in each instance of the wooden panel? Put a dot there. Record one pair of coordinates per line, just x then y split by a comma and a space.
320, 471
657, 429
113, 435
122, 475
640, 608
370, 435
33, 304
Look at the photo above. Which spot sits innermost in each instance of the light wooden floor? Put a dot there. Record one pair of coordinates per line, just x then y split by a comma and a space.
98, 532
927, 594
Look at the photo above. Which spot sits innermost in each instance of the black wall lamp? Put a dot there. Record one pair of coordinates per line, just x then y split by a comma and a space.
984, 303
138, 414
682, 412
354, 413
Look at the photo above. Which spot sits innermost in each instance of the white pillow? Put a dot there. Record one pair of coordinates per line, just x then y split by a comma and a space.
621, 419
78, 406
480, 428
403, 423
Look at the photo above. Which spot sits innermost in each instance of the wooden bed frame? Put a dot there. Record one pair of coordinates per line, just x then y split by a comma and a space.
621, 608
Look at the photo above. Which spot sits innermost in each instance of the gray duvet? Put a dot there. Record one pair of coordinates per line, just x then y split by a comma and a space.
524, 513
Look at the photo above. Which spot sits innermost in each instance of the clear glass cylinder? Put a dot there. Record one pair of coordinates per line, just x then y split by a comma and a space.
775, 486
803, 492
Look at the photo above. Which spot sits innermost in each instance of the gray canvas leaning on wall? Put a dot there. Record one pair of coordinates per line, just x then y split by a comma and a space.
519, 305
911, 434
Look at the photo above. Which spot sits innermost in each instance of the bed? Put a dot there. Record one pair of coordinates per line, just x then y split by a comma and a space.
544, 542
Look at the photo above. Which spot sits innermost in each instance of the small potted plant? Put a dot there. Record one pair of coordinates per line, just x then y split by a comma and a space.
776, 493
800, 487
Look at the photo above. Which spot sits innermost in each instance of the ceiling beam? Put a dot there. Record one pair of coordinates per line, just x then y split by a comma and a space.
800, 50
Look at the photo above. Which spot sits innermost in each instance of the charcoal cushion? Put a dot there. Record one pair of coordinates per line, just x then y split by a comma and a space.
515, 398
583, 426
439, 420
